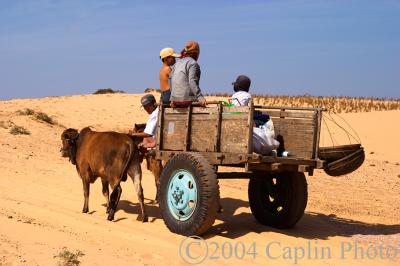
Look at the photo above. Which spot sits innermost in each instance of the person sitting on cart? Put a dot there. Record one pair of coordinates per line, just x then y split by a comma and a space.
148, 103
264, 141
242, 97
241, 87
185, 78
167, 56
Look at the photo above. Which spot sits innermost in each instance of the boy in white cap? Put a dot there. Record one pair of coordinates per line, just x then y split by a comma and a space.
167, 56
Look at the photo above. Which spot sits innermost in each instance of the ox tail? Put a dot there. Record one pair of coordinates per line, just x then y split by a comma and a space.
114, 197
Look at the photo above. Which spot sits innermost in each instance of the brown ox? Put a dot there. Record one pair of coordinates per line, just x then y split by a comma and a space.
108, 155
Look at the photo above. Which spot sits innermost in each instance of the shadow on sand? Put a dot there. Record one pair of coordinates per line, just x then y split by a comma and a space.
311, 225
134, 208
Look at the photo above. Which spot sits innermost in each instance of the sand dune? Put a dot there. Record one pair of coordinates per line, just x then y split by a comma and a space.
42, 198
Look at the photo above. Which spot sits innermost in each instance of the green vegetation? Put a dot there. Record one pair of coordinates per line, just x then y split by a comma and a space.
68, 258
18, 130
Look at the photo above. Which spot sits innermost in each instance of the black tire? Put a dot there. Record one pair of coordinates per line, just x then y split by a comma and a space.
205, 210
279, 199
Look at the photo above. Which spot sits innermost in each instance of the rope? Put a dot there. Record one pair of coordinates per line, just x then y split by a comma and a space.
330, 134
355, 132
330, 118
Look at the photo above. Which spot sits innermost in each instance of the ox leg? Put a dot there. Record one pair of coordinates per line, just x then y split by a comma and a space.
106, 193
86, 186
156, 169
136, 174
114, 199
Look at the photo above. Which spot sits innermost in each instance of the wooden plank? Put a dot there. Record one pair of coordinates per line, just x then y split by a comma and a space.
318, 120
173, 134
291, 114
218, 131
160, 128
182, 116
203, 135
234, 136
250, 129
186, 143
250, 123
214, 158
279, 167
195, 110
241, 109
289, 108
283, 160
294, 122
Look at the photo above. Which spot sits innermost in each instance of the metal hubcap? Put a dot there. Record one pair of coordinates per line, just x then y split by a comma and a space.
182, 195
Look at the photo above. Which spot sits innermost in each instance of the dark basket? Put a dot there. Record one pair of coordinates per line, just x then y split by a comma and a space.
342, 160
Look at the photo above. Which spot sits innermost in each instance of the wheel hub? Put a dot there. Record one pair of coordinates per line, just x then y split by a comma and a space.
182, 195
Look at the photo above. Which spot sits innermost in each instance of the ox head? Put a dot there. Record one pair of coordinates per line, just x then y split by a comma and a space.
139, 128
69, 138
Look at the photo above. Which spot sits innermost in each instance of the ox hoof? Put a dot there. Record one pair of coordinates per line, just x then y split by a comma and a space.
85, 210
143, 219
110, 215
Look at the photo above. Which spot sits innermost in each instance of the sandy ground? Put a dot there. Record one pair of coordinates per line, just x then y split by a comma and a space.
355, 217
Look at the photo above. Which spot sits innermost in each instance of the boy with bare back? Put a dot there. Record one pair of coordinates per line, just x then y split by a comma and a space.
167, 56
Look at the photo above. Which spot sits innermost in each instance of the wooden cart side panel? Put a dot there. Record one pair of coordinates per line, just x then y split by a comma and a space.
204, 129
296, 135
203, 132
235, 130
174, 131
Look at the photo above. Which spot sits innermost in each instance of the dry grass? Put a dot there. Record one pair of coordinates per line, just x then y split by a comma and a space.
45, 118
26, 111
18, 130
68, 258
37, 115
335, 104
6, 124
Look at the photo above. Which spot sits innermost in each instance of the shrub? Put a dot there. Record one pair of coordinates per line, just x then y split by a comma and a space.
107, 91
18, 130
149, 90
45, 118
26, 111
68, 258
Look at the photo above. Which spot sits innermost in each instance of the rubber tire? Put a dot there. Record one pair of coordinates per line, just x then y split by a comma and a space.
208, 194
292, 190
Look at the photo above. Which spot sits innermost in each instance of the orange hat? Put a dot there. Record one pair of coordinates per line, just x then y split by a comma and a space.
192, 46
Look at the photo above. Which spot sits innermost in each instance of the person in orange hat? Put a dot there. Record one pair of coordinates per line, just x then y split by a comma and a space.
167, 56
185, 77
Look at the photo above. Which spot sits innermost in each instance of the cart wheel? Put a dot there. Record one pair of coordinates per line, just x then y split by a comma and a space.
279, 199
189, 196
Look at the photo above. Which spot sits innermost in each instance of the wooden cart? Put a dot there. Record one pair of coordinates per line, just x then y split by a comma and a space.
194, 141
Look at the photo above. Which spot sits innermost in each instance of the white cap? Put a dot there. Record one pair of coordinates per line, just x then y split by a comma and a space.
168, 52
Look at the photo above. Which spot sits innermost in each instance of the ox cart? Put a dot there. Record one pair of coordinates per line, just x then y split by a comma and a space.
195, 141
